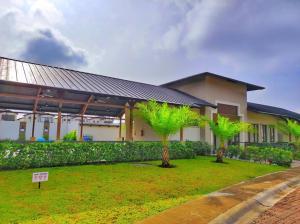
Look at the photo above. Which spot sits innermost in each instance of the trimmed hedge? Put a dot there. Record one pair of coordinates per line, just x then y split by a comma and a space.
30, 155
271, 155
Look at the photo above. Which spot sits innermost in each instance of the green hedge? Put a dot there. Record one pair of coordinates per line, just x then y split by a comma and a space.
30, 155
271, 155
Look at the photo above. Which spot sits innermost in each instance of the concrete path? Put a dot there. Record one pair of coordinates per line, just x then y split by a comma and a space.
208, 208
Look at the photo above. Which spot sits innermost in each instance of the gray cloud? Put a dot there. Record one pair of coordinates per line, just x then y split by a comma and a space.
49, 49
159, 41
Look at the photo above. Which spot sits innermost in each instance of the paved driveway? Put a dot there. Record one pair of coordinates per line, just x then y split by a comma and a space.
286, 211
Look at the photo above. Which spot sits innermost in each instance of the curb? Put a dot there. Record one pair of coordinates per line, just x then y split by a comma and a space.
250, 209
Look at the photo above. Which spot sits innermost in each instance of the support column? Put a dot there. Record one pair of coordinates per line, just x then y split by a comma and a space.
58, 123
36, 101
120, 128
33, 128
202, 129
81, 128
129, 122
181, 134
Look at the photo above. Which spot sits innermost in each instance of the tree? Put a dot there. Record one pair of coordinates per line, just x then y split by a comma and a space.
224, 129
292, 128
165, 121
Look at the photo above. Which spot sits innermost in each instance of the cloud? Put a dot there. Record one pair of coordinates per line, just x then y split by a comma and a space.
32, 33
53, 50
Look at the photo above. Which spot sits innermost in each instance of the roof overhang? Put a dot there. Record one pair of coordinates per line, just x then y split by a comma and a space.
201, 76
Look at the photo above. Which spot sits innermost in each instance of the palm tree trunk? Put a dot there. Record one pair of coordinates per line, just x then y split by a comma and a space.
165, 153
220, 152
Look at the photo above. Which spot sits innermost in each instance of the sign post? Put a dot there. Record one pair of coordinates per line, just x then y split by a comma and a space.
40, 177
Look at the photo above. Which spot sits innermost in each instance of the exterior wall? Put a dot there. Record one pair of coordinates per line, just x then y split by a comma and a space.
9, 130
216, 90
265, 119
102, 133
139, 127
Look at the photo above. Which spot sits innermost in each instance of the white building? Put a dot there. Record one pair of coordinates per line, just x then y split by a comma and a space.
98, 129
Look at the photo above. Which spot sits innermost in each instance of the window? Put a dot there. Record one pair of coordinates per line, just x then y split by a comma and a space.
265, 133
254, 135
234, 140
272, 133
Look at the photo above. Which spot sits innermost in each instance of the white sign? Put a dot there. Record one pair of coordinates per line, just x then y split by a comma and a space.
39, 177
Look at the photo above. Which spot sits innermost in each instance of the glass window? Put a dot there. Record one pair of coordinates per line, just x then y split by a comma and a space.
272, 133
265, 133
253, 136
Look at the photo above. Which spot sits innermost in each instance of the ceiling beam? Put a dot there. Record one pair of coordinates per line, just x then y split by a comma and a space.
64, 101
37, 98
85, 106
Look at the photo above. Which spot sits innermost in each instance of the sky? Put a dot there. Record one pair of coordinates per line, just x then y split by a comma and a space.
157, 41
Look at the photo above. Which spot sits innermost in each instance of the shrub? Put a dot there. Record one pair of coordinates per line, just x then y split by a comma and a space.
233, 151
200, 148
271, 155
30, 155
71, 136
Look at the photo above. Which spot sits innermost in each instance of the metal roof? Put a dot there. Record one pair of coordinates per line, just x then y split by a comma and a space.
76, 84
200, 76
260, 108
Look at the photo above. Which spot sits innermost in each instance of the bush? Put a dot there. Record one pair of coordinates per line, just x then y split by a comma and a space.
71, 136
31, 155
280, 145
233, 151
200, 148
271, 155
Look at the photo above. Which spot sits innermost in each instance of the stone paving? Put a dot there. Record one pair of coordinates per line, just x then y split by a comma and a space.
286, 211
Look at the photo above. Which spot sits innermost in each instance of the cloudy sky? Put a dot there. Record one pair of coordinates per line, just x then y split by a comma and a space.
157, 41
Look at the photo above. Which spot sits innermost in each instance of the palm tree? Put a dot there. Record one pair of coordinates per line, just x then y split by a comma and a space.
165, 121
292, 128
224, 129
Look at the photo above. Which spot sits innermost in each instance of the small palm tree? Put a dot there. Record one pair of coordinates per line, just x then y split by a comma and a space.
165, 121
224, 129
292, 128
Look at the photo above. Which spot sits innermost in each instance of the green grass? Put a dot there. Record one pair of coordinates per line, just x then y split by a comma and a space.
119, 193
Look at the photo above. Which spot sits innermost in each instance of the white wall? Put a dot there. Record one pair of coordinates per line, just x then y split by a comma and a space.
102, 133
9, 130
191, 134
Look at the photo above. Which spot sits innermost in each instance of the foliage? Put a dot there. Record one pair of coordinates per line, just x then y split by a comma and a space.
29, 155
117, 193
200, 148
233, 151
261, 154
280, 145
290, 127
165, 121
71, 136
224, 129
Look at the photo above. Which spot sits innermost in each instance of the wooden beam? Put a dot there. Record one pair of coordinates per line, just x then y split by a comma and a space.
181, 134
37, 98
36, 101
58, 127
64, 101
33, 127
129, 122
85, 106
120, 128
81, 128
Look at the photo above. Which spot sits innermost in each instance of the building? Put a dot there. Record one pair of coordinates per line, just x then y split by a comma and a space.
47, 89
94, 128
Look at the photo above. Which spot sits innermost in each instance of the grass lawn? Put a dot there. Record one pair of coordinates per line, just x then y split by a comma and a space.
118, 193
